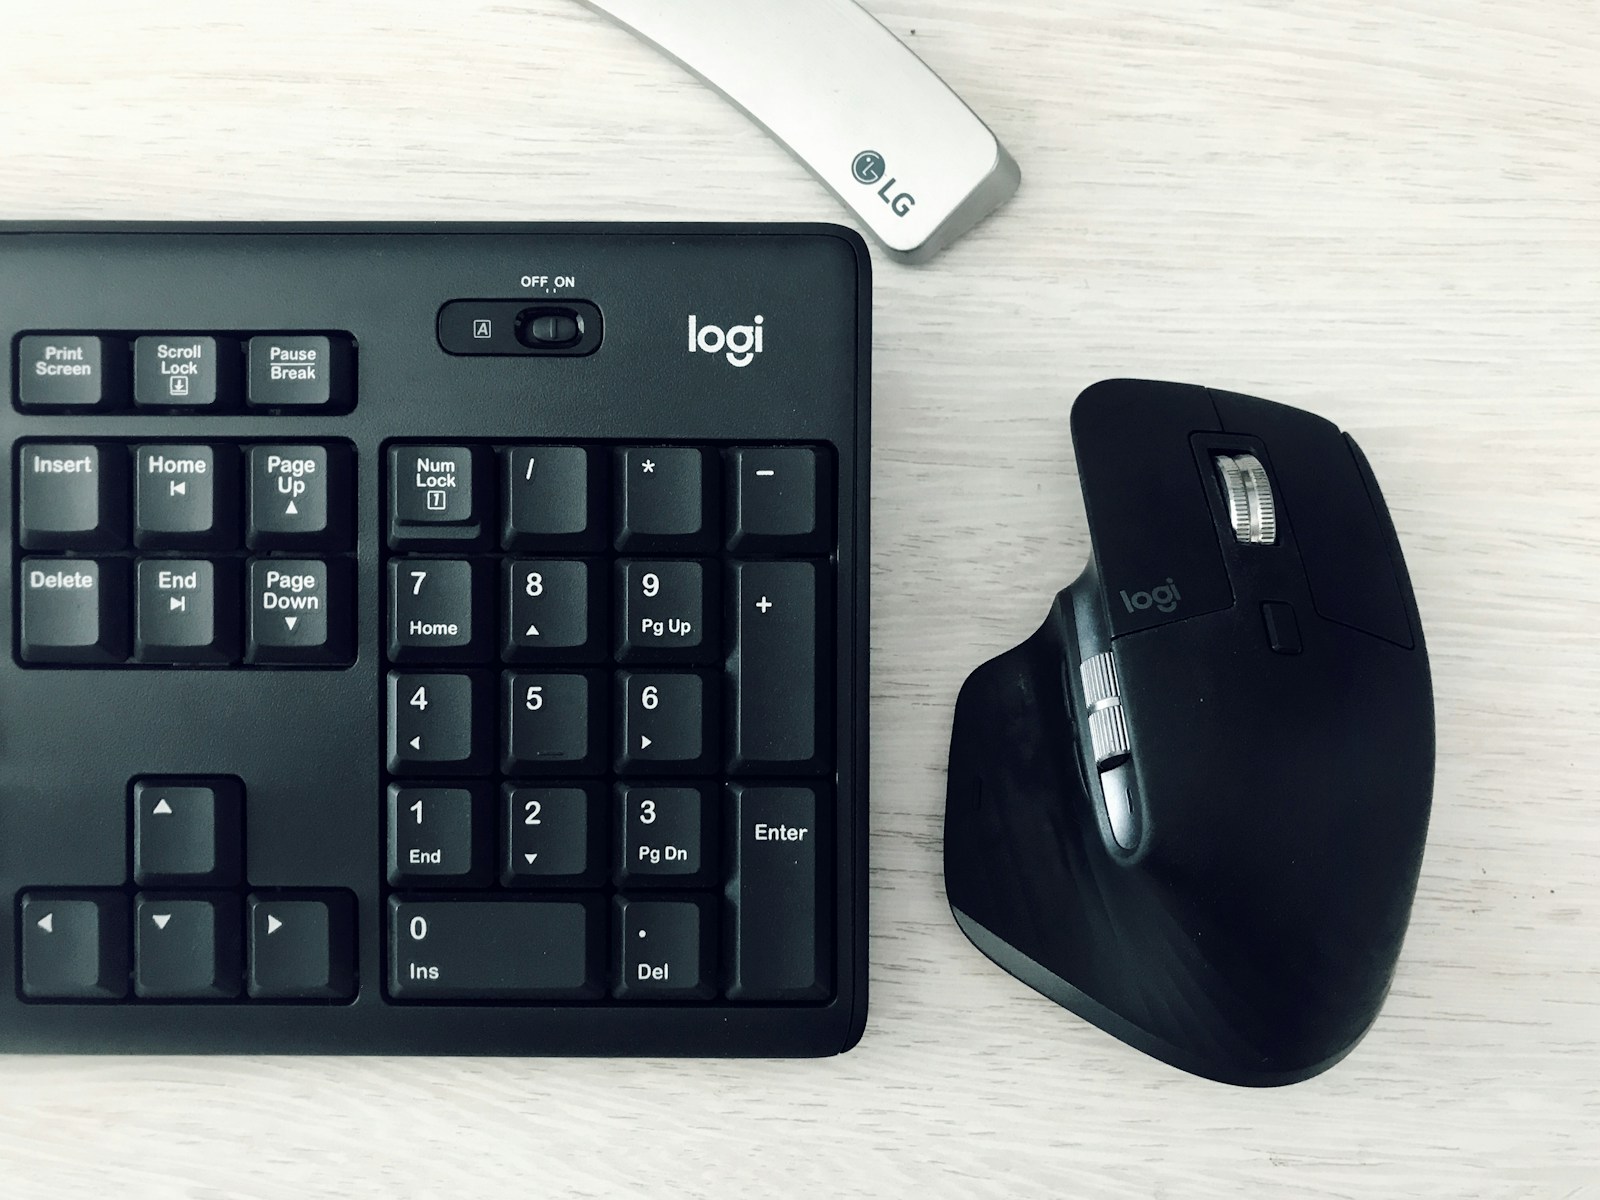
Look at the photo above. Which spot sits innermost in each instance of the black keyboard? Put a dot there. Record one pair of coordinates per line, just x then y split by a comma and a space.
435, 639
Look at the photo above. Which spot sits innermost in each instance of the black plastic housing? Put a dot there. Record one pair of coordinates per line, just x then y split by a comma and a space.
1282, 787
307, 743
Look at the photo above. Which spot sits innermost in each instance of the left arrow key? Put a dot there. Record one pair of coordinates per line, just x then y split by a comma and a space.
74, 945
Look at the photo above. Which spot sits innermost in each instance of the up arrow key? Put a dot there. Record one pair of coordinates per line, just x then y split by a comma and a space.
162, 807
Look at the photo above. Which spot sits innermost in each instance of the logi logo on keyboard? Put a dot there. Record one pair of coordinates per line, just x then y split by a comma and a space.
742, 342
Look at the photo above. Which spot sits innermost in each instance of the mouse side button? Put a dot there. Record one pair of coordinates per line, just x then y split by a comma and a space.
1148, 508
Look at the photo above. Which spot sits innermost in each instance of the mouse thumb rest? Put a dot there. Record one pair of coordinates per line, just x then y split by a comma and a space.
1032, 885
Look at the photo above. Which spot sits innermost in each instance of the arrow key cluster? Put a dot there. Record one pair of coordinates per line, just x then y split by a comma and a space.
194, 936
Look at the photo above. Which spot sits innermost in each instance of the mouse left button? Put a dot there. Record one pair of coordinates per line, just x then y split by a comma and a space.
1155, 542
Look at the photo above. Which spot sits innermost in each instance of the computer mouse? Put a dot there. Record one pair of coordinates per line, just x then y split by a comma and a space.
1191, 808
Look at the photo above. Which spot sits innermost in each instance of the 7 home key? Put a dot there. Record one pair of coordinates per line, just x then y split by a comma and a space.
607, 742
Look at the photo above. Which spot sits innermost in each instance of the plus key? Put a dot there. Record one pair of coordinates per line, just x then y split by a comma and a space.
778, 666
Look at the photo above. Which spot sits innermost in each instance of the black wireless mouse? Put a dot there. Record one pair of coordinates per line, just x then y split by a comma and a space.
1191, 808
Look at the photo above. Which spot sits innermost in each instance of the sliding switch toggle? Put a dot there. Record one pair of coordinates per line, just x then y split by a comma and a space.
520, 328
549, 328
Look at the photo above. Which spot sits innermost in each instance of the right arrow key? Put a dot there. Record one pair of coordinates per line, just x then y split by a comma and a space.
302, 946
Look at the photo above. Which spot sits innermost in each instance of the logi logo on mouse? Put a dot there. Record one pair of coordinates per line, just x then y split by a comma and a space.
742, 342
1163, 599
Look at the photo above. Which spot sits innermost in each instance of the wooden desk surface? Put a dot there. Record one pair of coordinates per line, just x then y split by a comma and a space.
1386, 214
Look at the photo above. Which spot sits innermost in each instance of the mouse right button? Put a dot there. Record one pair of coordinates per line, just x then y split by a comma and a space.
1336, 521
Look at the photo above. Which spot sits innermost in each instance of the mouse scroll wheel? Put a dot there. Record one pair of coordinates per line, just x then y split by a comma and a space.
1248, 492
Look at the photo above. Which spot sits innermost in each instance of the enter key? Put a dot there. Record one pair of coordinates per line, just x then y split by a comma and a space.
779, 911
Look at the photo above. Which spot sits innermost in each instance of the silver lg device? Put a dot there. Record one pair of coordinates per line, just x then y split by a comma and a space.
847, 98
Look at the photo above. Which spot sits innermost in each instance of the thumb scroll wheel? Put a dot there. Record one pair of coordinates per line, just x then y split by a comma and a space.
1248, 492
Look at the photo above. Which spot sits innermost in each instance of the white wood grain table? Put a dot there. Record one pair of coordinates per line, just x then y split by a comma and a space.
1387, 214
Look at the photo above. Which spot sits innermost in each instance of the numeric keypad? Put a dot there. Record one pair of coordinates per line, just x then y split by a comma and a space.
627, 705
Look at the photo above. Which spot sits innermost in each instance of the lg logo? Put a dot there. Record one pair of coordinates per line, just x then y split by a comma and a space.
742, 342
868, 168
1165, 598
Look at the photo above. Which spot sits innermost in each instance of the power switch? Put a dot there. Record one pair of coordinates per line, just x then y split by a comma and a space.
549, 328
524, 328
